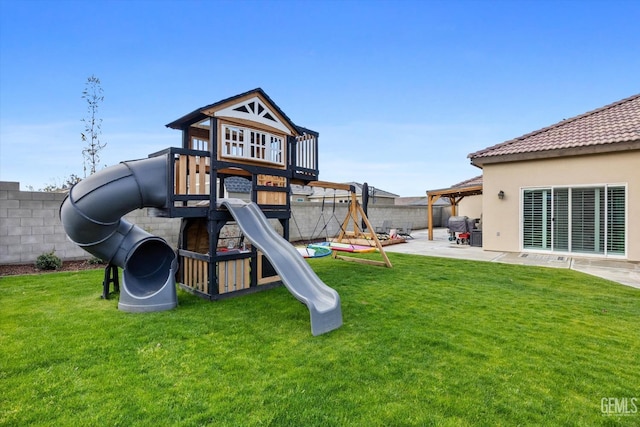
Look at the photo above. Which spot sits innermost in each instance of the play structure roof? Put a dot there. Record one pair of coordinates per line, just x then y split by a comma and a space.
201, 113
614, 127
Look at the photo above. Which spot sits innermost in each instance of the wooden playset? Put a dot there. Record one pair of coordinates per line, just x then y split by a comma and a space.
248, 136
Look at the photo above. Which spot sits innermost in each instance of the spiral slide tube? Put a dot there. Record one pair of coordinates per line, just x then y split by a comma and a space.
92, 218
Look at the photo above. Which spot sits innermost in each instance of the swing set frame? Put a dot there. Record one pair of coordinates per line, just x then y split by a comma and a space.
350, 230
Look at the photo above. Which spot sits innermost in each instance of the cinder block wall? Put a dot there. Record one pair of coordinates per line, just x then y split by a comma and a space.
30, 226
309, 218
30, 223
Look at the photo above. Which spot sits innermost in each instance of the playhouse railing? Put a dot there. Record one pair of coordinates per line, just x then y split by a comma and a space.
188, 182
233, 272
192, 172
194, 271
304, 159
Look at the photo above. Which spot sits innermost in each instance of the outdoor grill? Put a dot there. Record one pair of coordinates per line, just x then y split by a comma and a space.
461, 226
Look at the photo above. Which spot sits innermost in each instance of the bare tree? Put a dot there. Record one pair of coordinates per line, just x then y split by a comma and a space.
58, 185
92, 93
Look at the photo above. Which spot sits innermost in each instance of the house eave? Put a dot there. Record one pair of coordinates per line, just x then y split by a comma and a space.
551, 154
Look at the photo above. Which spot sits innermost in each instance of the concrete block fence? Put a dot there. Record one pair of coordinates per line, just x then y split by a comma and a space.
30, 223
30, 226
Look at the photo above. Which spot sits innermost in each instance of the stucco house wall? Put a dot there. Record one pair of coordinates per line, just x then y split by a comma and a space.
471, 206
502, 218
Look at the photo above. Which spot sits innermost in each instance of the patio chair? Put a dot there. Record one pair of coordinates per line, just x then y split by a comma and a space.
405, 231
386, 227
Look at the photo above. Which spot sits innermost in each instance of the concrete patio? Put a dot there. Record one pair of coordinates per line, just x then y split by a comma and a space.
623, 272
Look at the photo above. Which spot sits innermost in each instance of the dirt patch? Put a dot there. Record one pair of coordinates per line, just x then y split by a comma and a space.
18, 269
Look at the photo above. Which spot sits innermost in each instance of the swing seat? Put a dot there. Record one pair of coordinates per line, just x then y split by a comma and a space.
311, 251
345, 247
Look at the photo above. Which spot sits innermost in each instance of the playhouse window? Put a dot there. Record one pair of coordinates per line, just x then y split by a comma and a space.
199, 144
234, 141
260, 146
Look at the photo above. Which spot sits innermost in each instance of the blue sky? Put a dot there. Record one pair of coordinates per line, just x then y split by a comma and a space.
400, 91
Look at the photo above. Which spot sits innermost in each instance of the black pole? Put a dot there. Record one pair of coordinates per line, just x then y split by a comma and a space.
365, 202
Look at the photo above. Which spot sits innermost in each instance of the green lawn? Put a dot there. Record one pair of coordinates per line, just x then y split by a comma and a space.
430, 342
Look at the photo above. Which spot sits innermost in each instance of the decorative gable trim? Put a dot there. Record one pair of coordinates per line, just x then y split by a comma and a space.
254, 109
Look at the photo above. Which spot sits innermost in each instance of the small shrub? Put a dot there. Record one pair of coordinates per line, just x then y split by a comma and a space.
95, 261
48, 261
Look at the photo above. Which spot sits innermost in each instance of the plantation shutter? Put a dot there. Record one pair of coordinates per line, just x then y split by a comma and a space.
616, 220
536, 219
577, 219
561, 219
587, 220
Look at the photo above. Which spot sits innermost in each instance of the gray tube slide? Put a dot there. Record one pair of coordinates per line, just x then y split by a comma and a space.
92, 218
322, 301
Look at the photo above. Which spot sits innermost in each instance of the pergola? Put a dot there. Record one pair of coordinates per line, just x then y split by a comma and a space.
454, 194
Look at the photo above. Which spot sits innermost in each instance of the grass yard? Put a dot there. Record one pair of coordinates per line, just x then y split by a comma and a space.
430, 342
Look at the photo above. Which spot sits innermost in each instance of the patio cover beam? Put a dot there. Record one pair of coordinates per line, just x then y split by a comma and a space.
455, 195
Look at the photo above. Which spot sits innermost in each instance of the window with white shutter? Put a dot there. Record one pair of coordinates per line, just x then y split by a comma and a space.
587, 220
560, 219
536, 219
590, 220
616, 220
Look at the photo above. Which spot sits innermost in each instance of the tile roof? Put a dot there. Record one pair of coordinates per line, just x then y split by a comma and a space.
612, 124
469, 182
